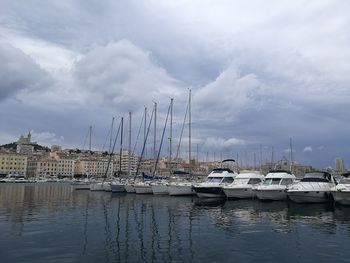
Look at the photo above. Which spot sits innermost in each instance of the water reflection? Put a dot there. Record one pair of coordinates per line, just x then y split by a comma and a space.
49, 222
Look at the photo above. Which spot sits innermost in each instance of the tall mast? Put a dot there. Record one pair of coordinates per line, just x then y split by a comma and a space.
291, 155
129, 153
145, 128
121, 147
110, 139
155, 135
90, 132
171, 134
189, 132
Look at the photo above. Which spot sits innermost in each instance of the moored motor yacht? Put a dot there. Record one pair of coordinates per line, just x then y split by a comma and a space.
212, 187
274, 186
341, 192
315, 187
242, 186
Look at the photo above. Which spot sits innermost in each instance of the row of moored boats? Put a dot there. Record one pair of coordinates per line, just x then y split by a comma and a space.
314, 187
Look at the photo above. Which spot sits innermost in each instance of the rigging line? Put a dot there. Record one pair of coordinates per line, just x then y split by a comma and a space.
138, 134
111, 153
144, 146
108, 135
182, 131
161, 142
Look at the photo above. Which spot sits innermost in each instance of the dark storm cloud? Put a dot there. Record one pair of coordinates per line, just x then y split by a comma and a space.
18, 72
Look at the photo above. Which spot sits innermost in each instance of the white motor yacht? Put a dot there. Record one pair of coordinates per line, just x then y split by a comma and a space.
341, 192
212, 187
315, 187
242, 186
275, 185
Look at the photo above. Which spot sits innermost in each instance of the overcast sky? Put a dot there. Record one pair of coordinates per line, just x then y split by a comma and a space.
261, 72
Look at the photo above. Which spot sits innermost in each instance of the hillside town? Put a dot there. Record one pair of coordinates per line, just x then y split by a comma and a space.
29, 160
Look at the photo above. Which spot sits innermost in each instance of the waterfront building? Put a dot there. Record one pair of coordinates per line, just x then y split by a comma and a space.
339, 165
12, 163
93, 167
53, 165
124, 167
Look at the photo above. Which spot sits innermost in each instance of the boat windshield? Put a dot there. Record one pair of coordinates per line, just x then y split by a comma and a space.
214, 179
286, 181
316, 177
272, 181
241, 180
254, 181
227, 180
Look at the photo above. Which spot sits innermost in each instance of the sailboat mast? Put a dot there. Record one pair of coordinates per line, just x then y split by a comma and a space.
291, 155
155, 135
189, 132
111, 137
145, 128
171, 135
121, 146
129, 152
90, 132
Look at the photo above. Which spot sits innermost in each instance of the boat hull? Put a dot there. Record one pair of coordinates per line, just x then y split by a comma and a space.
271, 195
341, 197
80, 186
143, 189
96, 187
239, 193
309, 196
117, 188
160, 189
209, 192
129, 188
175, 190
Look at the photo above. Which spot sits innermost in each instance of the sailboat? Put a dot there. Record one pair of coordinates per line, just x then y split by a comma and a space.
118, 186
180, 186
144, 187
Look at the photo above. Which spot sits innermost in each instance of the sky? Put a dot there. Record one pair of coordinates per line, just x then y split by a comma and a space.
260, 73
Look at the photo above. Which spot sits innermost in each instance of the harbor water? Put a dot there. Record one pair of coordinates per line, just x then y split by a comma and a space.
47, 222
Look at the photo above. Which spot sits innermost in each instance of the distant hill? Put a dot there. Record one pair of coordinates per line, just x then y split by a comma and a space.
37, 147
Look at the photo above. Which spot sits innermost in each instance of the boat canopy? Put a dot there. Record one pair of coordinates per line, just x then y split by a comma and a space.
280, 171
221, 170
317, 177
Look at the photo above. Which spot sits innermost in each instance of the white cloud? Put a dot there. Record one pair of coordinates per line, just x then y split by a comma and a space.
46, 138
123, 75
220, 143
19, 72
307, 149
